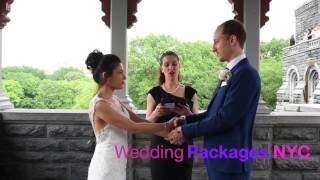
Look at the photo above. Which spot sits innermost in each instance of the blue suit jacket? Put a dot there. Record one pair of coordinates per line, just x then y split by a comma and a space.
229, 118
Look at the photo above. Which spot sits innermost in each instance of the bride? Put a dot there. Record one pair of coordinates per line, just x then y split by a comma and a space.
111, 120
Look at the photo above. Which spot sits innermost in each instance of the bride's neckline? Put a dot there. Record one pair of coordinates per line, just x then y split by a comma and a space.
104, 97
113, 101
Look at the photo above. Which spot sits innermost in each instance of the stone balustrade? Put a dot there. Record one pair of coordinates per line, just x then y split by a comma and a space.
58, 144
301, 47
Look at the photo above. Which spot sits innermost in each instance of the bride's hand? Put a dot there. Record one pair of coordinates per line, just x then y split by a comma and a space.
170, 125
176, 121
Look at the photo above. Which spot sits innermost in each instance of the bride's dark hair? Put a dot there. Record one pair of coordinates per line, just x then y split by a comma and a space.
101, 66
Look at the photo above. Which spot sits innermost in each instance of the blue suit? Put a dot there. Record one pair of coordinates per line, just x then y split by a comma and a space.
228, 122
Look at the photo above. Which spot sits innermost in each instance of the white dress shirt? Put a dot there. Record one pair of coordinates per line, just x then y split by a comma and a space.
232, 64
235, 61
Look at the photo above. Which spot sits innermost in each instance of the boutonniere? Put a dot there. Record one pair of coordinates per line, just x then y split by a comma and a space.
224, 75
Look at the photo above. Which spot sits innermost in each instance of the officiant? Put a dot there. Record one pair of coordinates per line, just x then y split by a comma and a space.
168, 99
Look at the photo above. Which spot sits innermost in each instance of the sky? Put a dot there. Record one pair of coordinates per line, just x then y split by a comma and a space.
49, 34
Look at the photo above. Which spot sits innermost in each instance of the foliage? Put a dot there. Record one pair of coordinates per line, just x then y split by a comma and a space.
29, 84
55, 95
198, 66
86, 89
271, 80
67, 88
68, 74
144, 63
70, 88
271, 69
14, 91
24, 69
273, 49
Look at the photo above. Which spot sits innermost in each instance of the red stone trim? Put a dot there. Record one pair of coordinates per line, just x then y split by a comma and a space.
265, 7
131, 10
238, 10
4, 10
106, 6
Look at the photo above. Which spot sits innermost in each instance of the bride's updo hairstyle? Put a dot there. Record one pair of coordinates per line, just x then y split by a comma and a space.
101, 66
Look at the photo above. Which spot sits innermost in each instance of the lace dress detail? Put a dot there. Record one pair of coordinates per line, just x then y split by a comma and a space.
105, 165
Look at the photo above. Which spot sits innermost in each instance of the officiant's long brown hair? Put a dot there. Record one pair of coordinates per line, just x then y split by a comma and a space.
161, 77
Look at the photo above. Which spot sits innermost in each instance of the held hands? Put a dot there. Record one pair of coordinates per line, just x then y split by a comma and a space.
175, 136
170, 125
177, 121
173, 123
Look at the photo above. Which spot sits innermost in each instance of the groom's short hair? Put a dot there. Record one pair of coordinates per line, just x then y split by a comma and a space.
234, 27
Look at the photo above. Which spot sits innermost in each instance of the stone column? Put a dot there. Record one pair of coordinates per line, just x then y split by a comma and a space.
118, 26
4, 10
251, 20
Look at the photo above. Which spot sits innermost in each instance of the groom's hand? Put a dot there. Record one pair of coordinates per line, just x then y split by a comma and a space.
177, 121
176, 136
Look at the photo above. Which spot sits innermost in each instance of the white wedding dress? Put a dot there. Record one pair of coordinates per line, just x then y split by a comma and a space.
105, 165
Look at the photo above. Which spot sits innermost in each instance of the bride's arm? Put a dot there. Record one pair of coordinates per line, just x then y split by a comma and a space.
134, 117
137, 119
106, 113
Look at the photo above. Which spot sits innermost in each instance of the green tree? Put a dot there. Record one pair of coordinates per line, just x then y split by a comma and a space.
87, 89
24, 69
55, 95
14, 91
198, 66
29, 84
143, 64
67, 73
271, 69
271, 80
273, 49
69, 88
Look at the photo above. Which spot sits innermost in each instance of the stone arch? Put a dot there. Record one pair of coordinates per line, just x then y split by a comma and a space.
291, 69
292, 77
311, 80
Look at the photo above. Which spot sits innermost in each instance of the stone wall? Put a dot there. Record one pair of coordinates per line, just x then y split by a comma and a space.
297, 57
307, 17
288, 128
45, 145
57, 144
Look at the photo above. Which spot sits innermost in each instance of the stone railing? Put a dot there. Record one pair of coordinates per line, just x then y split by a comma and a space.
45, 144
57, 144
302, 47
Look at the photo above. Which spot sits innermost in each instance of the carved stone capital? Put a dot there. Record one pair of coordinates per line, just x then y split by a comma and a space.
238, 10
131, 10
4, 10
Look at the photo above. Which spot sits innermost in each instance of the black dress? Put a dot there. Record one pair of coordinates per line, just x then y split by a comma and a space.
174, 168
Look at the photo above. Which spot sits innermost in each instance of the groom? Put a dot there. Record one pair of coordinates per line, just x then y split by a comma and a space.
229, 119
